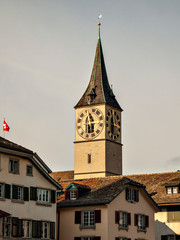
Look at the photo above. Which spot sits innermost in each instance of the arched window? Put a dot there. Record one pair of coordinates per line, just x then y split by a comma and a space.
89, 124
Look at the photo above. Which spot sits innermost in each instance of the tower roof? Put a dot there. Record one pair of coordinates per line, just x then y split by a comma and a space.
98, 90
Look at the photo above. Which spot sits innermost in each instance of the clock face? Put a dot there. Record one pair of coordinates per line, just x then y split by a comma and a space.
113, 124
90, 123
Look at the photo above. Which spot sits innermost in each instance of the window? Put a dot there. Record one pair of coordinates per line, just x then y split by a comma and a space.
123, 219
17, 192
88, 218
122, 238
89, 158
172, 190
13, 166
141, 221
1, 190
132, 195
43, 195
29, 170
45, 230
72, 194
173, 216
7, 226
27, 228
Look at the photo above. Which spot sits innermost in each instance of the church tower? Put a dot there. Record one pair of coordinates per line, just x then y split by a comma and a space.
98, 148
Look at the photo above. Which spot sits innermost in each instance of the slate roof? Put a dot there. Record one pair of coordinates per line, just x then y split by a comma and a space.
101, 190
156, 185
99, 86
13, 146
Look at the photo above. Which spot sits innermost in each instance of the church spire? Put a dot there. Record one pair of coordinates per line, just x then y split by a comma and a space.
98, 90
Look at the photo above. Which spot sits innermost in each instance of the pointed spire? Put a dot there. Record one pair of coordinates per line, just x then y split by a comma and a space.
98, 90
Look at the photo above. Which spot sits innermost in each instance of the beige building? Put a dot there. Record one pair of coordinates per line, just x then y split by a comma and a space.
109, 208
165, 190
27, 194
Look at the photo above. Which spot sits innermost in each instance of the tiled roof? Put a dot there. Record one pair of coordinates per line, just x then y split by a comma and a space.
102, 190
4, 143
99, 87
155, 184
62, 176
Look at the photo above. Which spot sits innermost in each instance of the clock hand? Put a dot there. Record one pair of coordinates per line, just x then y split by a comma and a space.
116, 125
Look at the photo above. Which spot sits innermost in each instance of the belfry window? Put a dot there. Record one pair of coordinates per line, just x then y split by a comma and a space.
89, 124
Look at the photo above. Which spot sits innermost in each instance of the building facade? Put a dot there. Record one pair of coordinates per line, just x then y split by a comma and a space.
27, 194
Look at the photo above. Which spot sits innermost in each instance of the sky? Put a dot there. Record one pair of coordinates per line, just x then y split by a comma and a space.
47, 50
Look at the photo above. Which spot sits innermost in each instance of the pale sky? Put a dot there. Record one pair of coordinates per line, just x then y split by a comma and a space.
47, 50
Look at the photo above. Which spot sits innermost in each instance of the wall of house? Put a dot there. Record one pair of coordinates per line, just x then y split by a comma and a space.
164, 226
29, 210
69, 230
144, 206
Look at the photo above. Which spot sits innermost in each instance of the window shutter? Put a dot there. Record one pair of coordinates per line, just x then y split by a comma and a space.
128, 219
116, 238
147, 221
34, 229
97, 238
52, 230
66, 194
26, 194
53, 196
14, 192
128, 238
33, 193
97, 216
14, 227
77, 193
77, 238
163, 237
20, 228
137, 195
116, 217
77, 217
135, 219
39, 229
127, 190
7, 191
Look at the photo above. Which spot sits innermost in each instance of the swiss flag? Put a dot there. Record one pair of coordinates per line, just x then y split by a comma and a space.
5, 126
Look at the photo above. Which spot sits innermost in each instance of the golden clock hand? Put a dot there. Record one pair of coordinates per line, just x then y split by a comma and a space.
116, 125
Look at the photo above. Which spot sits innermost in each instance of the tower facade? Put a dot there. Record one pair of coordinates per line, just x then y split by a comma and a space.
98, 147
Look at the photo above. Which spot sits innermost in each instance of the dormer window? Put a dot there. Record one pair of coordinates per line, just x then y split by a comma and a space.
172, 190
132, 195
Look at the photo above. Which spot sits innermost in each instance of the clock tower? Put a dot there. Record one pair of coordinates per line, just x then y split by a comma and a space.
98, 147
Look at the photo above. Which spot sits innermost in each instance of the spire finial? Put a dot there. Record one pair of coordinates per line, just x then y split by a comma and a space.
99, 24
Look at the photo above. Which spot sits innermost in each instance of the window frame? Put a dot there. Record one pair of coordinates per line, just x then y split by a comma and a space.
7, 225
123, 217
29, 227
29, 166
42, 197
88, 219
141, 222
45, 227
14, 166
2, 190
73, 194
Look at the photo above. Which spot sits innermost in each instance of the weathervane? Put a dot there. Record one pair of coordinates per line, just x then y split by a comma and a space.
99, 23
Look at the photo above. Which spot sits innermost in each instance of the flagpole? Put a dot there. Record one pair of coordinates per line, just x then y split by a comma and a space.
3, 129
